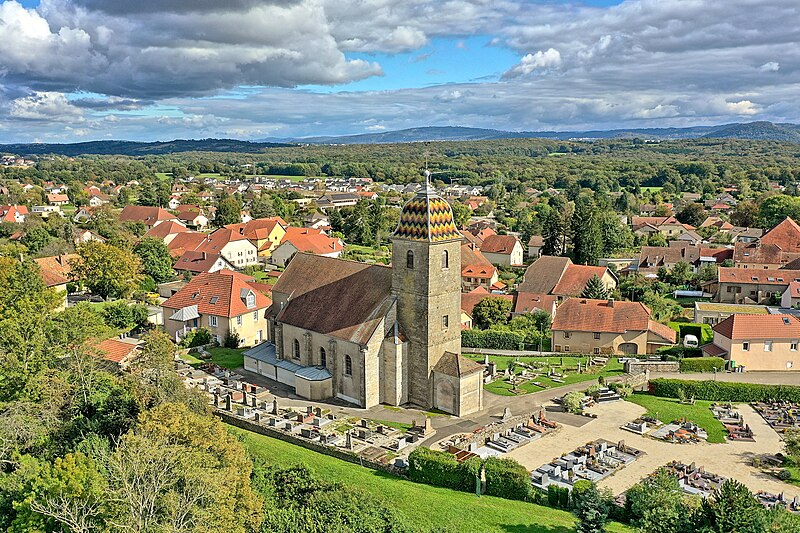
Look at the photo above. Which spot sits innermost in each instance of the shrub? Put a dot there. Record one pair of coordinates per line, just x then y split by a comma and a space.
507, 478
440, 469
702, 364
623, 389
572, 402
121, 315
198, 337
492, 338
724, 391
784, 475
232, 340
678, 352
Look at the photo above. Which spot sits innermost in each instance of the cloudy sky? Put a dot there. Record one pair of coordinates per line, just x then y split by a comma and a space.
76, 70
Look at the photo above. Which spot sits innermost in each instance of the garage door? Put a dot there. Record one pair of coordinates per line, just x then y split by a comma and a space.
629, 348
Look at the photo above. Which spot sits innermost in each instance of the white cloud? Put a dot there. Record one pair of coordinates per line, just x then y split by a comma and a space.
742, 107
47, 106
532, 63
771, 66
375, 127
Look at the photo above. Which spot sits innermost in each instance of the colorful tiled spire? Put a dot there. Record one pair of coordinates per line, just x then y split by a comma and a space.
427, 217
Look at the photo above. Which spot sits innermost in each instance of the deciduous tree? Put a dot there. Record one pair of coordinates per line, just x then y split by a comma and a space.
106, 270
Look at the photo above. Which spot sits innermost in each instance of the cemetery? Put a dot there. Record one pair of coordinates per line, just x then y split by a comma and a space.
779, 415
370, 440
733, 422
680, 431
594, 461
641, 425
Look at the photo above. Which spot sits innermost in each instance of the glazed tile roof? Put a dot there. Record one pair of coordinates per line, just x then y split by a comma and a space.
427, 217
754, 327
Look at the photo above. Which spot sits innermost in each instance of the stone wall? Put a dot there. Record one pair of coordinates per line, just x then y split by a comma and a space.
637, 367
499, 427
344, 455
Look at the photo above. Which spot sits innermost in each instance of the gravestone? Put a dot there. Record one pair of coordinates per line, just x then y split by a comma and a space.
348, 441
364, 423
506, 414
275, 405
216, 400
257, 417
253, 402
318, 411
309, 409
253, 389
244, 397
228, 402
428, 427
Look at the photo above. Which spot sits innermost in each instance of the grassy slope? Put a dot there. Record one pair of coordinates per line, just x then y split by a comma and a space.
669, 409
425, 507
227, 357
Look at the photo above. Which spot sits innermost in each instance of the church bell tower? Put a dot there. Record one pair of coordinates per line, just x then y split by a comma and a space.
426, 279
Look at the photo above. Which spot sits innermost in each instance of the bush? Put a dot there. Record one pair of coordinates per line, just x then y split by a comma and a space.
623, 389
232, 340
492, 338
558, 496
121, 315
506, 478
198, 337
724, 391
440, 469
701, 331
784, 475
702, 364
676, 353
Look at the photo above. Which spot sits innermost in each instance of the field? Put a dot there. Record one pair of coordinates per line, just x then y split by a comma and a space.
202, 175
570, 363
295, 178
669, 409
425, 508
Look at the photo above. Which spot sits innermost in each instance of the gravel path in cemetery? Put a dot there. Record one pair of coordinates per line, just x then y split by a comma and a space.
731, 459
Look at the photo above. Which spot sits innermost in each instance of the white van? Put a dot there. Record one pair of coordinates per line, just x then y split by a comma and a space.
690, 341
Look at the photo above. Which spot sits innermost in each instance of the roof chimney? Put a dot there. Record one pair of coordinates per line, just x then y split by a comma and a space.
611, 302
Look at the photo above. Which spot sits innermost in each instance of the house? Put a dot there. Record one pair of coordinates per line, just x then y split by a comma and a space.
476, 270
96, 200
560, 277
305, 240
757, 342
752, 286
652, 258
265, 233
470, 299
535, 244
45, 211
118, 353
13, 213
739, 234
197, 262
57, 199
56, 272
84, 236
529, 302
667, 226
791, 296
167, 231
317, 220
83, 214
235, 248
337, 200
608, 327
372, 334
223, 302
712, 313
776, 248
192, 217
503, 250
149, 216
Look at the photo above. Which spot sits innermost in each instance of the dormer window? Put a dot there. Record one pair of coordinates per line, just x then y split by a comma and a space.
250, 299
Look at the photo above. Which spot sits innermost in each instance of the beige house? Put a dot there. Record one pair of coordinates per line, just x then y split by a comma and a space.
669, 226
752, 286
560, 277
608, 327
757, 342
222, 302
712, 313
476, 270
503, 250
265, 233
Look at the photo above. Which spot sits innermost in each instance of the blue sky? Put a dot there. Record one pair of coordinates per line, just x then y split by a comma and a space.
76, 70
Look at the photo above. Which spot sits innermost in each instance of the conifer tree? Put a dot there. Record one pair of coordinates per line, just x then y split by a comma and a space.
595, 289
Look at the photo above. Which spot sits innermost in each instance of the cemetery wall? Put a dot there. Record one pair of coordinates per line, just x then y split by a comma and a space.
501, 427
636, 367
351, 457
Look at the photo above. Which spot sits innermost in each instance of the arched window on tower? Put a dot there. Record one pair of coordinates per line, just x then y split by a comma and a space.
296, 349
323, 358
410, 260
445, 259
348, 365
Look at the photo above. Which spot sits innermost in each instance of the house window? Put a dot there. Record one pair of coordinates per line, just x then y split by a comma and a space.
596, 336
255, 316
767, 346
445, 260
566, 347
239, 320
745, 346
793, 346
296, 349
323, 357
348, 365
557, 348
445, 321
212, 321
410, 260
566, 334
251, 300
597, 351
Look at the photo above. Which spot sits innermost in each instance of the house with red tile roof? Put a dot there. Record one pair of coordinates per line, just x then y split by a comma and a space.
13, 213
305, 240
470, 299
791, 296
117, 352
223, 302
56, 272
476, 270
529, 302
265, 233
192, 216
776, 248
503, 250
752, 286
234, 247
197, 262
57, 199
667, 226
757, 342
167, 231
608, 327
150, 216
559, 276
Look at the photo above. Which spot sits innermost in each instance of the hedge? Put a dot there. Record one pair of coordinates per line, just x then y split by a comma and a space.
440, 469
702, 364
701, 331
491, 338
506, 478
724, 391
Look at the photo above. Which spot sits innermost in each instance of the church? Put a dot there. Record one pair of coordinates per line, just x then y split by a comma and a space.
372, 334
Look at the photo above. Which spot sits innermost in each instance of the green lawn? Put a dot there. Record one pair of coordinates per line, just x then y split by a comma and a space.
570, 363
191, 359
227, 357
652, 189
669, 409
425, 508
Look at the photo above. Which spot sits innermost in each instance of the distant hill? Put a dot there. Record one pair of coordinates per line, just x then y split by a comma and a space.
139, 148
753, 130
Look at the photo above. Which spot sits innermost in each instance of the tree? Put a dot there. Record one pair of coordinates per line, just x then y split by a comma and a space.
590, 507
229, 211
586, 237
693, 214
656, 504
491, 311
553, 234
461, 214
123, 316
36, 238
261, 206
106, 270
732, 507
595, 289
156, 261
776, 208
791, 442
745, 214
616, 236
680, 274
